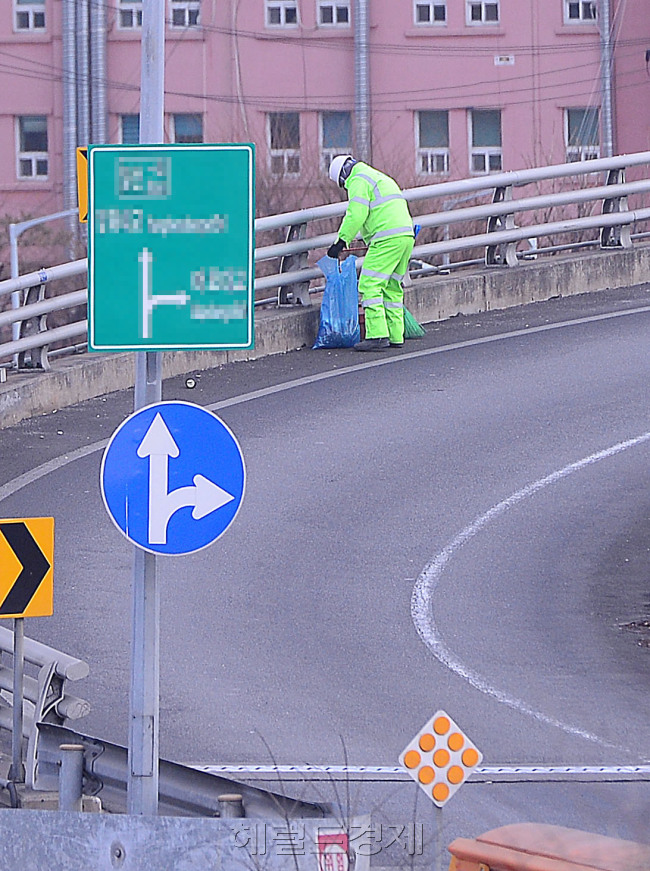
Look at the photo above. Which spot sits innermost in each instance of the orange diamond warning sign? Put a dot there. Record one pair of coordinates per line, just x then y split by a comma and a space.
440, 758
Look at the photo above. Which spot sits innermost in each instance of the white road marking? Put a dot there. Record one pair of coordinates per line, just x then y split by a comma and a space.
425, 587
57, 463
428, 578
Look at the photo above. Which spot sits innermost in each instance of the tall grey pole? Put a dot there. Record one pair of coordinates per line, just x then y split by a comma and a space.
363, 140
83, 72
145, 649
70, 119
606, 63
98, 71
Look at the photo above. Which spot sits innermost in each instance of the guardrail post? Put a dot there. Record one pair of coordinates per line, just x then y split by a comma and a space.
71, 777
36, 358
294, 294
615, 237
504, 253
231, 806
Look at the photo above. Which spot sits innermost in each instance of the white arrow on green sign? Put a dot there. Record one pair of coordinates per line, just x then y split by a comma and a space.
171, 247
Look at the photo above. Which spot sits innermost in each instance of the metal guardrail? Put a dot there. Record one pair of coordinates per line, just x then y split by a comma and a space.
46, 696
291, 277
182, 788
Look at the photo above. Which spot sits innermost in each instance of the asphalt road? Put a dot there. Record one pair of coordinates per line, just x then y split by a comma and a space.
460, 524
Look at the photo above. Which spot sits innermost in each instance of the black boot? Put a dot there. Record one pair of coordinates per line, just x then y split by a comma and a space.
373, 344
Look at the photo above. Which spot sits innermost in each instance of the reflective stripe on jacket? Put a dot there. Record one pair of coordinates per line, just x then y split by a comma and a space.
376, 208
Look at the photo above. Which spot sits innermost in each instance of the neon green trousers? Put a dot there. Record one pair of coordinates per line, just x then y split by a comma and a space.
380, 287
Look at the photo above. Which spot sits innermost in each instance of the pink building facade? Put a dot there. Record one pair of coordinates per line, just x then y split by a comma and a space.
449, 88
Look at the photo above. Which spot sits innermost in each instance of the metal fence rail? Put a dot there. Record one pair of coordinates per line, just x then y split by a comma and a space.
283, 266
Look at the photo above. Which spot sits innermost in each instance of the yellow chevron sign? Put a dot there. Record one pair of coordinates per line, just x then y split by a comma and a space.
26, 567
82, 184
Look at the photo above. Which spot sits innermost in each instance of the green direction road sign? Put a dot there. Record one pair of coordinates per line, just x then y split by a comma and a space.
170, 247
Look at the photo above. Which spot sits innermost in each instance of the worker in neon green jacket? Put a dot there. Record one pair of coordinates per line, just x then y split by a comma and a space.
378, 211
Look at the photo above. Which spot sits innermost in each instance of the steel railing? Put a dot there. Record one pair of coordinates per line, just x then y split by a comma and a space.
282, 267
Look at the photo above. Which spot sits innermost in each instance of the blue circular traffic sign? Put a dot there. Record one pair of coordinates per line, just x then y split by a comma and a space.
172, 477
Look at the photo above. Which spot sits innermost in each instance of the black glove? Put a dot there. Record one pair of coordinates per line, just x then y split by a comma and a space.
335, 249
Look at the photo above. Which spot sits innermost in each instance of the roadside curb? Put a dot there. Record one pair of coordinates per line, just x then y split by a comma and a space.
85, 376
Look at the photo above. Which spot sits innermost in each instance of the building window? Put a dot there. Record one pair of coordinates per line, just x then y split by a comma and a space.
482, 12
185, 13
582, 134
336, 136
130, 125
585, 10
430, 13
334, 13
281, 13
284, 141
432, 133
485, 137
188, 128
29, 14
129, 14
32, 146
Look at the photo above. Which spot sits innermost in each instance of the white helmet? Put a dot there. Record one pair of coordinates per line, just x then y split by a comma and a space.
337, 165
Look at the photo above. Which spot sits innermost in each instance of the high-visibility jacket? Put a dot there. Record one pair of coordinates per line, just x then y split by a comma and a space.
376, 208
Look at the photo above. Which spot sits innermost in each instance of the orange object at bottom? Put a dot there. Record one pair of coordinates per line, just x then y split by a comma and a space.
540, 847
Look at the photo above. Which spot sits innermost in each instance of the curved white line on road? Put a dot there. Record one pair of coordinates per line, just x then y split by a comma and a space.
425, 587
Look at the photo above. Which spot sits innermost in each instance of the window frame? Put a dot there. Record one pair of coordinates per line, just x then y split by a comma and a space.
283, 6
582, 6
432, 5
483, 21
287, 155
488, 152
335, 6
129, 115
188, 7
129, 6
329, 152
430, 153
581, 151
31, 155
176, 115
32, 9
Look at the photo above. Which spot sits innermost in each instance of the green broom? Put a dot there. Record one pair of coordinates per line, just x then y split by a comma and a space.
412, 329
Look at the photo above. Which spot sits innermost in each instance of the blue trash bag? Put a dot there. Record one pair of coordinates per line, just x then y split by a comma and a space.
339, 311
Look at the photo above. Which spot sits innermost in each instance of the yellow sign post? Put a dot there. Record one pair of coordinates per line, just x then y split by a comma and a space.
26, 567
82, 184
26, 590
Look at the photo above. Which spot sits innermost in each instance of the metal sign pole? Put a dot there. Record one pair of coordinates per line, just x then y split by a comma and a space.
145, 652
17, 770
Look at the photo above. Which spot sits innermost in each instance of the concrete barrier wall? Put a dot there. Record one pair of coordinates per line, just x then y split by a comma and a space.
73, 379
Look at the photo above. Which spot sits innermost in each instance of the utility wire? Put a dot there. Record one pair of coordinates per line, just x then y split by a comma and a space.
469, 91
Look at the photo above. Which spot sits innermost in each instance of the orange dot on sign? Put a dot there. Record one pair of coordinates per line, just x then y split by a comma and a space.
455, 741
440, 758
455, 774
427, 742
470, 757
426, 774
412, 759
440, 791
441, 726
